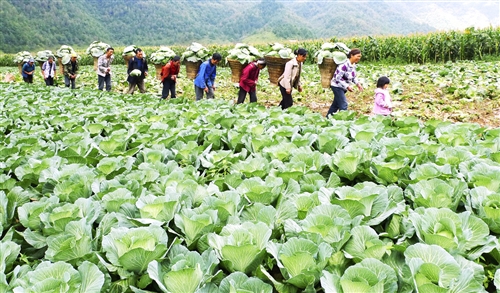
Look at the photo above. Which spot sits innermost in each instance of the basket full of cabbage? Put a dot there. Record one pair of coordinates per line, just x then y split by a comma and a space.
20, 58
128, 53
42, 56
238, 57
160, 58
63, 55
96, 49
328, 57
195, 52
276, 59
194, 55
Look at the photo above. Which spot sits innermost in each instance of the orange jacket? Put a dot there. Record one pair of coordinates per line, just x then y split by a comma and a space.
169, 69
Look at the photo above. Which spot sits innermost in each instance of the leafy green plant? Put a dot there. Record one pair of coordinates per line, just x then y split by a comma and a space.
183, 270
195, 52
60, 277
162, 56
243, 53
96, 49
241, 247
300, 260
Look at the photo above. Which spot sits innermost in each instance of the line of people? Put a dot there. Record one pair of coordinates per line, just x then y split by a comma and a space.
49, 71
344, 78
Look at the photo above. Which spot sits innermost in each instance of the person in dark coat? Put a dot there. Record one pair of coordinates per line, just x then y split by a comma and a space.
140, 63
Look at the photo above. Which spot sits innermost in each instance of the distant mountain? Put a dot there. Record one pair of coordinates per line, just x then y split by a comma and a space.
48, 24
447, 15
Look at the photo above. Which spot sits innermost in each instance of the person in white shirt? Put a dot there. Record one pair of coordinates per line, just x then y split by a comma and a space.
49, 70
104, 69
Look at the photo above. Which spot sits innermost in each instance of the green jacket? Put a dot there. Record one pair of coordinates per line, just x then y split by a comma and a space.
68, 69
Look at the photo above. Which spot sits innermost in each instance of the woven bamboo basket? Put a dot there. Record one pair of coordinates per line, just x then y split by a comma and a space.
95, 63
275, 67
326, 70
126, 58
20, 66
158, 68
236, 69
192, 69
59, 63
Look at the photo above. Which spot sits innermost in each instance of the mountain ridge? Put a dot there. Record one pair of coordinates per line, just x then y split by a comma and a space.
48, 24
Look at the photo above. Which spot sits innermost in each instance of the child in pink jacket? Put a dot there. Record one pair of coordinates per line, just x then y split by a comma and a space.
383, 102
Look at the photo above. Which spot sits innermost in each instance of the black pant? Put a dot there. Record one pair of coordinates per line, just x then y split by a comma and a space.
49, 80
242, 95
28, 79
168, 86
287, 100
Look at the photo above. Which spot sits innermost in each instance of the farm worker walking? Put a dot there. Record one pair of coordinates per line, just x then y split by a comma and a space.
104, 69
291, 78
343, 78
28, 70
169, 74
205, 79
383, 102
248, 81
49, 71
70, 70
140, 63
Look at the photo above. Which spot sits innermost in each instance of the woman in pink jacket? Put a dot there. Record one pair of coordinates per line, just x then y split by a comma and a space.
383, 102
248, 81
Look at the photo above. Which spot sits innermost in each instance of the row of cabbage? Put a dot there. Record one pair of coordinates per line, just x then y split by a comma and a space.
105, 194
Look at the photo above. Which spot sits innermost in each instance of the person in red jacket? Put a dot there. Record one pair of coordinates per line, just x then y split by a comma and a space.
169, 74
248, 81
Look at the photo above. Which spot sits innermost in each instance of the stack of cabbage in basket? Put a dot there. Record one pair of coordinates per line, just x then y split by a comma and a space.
162, 56
195, 52
278, 50
42, 56
65, 52
243, 53
96, 49
337, 51
22, 57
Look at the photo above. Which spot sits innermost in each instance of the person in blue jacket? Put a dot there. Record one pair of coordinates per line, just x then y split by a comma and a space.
28, 70
205, 79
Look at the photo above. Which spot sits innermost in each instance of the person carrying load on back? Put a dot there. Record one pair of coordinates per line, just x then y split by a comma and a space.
49, 69
28, 70
248, 80
169, 74
70, 70
104, 69
139, 65
204, 81
343, 78
290, 78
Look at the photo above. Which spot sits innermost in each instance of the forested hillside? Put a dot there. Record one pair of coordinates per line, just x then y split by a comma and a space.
47, 24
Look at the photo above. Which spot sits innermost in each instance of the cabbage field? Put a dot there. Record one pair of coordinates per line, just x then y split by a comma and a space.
107, 192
